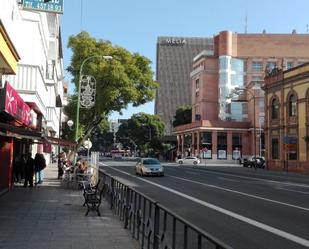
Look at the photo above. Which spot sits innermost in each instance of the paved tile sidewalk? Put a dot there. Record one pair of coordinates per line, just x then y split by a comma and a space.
49, 216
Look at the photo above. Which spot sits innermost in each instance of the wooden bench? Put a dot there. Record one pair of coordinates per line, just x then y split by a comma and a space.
93, 198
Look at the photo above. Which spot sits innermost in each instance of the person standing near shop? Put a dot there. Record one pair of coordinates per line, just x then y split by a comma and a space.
29, 171
40, 165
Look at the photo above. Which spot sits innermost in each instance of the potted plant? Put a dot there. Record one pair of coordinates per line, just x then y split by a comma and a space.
306, 138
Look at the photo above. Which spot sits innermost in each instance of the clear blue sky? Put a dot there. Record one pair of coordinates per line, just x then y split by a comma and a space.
136, 24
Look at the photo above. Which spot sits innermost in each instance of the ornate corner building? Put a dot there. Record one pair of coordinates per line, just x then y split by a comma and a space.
287, 119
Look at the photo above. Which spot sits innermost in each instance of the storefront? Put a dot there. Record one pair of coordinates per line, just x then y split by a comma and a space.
8, 65
17, 133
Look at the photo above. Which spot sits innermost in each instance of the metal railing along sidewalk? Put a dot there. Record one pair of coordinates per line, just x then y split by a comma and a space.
150, 223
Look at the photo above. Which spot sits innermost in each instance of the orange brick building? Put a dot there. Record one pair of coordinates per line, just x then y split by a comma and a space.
224, 129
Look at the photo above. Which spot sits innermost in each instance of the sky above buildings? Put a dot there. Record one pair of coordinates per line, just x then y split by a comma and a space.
136, 24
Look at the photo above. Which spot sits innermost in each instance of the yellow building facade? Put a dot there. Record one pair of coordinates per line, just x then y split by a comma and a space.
8, 54
287, 119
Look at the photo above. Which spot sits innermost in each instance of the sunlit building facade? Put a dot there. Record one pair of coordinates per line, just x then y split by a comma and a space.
227, 99
287, 119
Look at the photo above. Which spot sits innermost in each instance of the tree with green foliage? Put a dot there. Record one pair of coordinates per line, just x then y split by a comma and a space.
145, 130
127, 78
183, 116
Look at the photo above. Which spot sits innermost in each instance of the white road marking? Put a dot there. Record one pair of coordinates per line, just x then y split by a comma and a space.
255, 178
241, 193
291, 190
242, 218
191, 173
227, 179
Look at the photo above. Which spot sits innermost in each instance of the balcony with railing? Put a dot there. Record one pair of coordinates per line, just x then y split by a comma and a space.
29, 83
52, 118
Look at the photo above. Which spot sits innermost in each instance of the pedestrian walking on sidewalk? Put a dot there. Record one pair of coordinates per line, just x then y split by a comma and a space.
29, 171
40, 165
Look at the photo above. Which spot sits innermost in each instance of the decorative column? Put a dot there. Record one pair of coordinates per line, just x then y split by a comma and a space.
192, 144
198, 143
214, 138
182, 138
229, 145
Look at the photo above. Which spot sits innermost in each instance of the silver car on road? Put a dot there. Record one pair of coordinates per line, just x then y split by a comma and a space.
149, 166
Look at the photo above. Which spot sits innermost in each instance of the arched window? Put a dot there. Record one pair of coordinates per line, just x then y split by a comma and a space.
292, 104
275, 109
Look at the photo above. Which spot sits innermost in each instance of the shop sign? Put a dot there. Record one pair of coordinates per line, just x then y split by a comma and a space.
221, 154
47, 147
13, 105
207, 154
55, 6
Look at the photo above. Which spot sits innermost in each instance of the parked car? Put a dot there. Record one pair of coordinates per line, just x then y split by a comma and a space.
249, 162
149, 166
189, 160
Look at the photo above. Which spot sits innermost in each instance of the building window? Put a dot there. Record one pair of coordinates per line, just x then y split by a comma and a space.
50, 69
197, 84
206, 145
271, 65
292, 105
275, 109
292, 151
289, 64
275, 148
197, 87
257, 66
222, 145
236, 146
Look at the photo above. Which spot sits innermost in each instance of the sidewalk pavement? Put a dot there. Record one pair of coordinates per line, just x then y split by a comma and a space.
49, 216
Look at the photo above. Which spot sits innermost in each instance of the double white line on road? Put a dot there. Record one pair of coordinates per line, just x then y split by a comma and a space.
242, 218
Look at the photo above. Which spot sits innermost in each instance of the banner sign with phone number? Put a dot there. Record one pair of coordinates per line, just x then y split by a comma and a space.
55, 6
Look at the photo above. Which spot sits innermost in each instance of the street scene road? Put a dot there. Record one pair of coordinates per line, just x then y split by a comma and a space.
245, 208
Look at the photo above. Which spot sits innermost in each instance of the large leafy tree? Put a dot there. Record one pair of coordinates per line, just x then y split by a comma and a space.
127, 78
183, 116
143, 131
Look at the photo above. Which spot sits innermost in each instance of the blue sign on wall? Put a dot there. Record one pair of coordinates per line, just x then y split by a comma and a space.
44, 5
289, 140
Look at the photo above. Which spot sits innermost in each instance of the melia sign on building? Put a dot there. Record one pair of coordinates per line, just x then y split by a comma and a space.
174, 41
44, 5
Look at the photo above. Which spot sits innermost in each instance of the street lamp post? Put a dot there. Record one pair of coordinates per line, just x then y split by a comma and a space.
106, 57
237, 91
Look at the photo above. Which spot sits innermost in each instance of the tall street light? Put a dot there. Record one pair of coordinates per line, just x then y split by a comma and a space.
106, 57
238, 91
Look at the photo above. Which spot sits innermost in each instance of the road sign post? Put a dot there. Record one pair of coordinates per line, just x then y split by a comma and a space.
88, 145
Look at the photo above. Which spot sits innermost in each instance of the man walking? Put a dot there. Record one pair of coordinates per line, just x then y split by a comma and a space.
29, 170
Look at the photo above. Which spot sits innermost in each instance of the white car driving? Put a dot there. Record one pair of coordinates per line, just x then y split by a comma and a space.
189, 160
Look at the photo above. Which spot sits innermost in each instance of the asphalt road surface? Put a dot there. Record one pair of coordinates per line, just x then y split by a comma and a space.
245, 208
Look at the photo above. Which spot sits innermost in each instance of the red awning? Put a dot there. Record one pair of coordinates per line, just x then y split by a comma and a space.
19, 132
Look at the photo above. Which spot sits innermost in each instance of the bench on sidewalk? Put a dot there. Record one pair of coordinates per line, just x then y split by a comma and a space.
93, 198
89, 189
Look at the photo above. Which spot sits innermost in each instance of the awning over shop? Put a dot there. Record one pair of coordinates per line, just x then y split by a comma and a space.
19, 132
59, 141
8, 54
